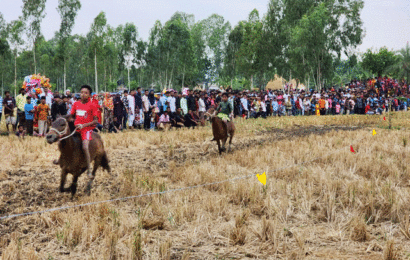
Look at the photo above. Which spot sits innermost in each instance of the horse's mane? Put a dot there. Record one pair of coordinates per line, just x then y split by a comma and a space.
71, 126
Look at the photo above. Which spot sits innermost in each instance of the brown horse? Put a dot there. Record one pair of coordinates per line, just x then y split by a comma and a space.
72, 158
220, 130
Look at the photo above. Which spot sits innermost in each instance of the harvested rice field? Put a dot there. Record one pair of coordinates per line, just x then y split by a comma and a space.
320, 201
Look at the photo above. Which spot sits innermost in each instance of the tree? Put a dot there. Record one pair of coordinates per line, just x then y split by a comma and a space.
128, 50
402, 63
201, 59
4, 49
154, 57
215, 34
97, 34
235, 39
183, 53
319, 37
68, 11
378, 62
16, 29
248, 51
33, 13
304, 36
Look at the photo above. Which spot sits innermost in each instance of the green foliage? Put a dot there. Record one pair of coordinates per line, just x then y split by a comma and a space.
33, 14
302, 39
112, 86
346, 70
378, 62
215, 32
248, 60
133, 85
401, 66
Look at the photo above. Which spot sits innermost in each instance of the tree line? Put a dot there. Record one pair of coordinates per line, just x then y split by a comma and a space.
300, 39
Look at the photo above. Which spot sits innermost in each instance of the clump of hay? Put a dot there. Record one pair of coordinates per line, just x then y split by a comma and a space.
358, 230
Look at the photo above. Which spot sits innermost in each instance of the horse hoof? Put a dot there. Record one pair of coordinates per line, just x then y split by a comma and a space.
88, 189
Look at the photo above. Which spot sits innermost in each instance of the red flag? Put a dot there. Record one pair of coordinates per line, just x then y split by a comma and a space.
352, 150
384, 118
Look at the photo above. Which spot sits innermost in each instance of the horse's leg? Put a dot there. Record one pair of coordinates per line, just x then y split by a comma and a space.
86, 145
73, 187
219, 146
62, 181
97, 163
57, 162
230, 142
224, 143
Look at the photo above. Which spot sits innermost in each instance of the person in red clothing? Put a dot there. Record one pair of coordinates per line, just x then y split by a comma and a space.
99, 109
86, 118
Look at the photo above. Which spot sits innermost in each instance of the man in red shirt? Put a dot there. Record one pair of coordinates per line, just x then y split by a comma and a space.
86, 118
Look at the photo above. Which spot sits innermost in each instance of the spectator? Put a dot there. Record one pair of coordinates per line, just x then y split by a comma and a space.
9, 104
139, 113
108, 106
126, 107
177, 119
43, 111
146, 109
58, 108
164, 122
20, 102
21, 132
131, 109
118, 111
29, 115
190, 120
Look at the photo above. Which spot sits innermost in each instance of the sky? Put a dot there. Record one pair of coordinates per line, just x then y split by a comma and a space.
386, 22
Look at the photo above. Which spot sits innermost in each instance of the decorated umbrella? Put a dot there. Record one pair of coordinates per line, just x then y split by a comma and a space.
36, 85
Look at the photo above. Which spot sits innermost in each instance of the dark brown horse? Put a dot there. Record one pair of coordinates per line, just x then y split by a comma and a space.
72, 158
220, 130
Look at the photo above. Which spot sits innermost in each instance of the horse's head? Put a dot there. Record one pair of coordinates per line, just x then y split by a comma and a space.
61, 127
211, 113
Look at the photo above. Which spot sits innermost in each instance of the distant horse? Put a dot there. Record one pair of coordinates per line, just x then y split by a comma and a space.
220, 130
72, 158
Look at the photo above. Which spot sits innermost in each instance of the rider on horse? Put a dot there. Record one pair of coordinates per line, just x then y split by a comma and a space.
224, 109
86, 119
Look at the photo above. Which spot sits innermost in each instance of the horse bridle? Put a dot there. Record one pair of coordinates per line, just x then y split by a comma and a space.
61, 133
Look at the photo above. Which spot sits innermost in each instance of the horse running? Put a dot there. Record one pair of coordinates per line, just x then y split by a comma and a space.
72, 158
220, 130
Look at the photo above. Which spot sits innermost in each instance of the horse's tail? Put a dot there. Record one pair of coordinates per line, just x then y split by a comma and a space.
104, 162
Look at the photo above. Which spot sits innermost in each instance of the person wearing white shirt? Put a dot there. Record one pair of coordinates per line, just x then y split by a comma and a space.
202, 109
285, 97
244, 102
145, 108
131, 109
263, 108
172, 102
302, 107
49, 98
306, 105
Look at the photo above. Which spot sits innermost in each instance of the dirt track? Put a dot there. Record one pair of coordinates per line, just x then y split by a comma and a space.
35, 188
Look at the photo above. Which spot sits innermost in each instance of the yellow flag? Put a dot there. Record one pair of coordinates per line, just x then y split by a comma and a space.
262, 178
374, 132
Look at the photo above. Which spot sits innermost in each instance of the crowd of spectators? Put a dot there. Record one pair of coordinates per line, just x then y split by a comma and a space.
143, 109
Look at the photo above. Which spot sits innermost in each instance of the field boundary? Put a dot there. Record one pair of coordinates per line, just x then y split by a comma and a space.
171, 190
